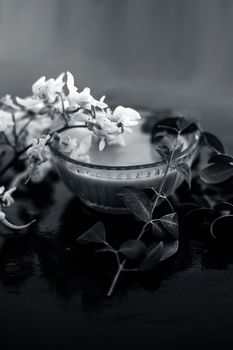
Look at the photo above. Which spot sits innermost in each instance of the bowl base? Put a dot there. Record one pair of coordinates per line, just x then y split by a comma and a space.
105, 209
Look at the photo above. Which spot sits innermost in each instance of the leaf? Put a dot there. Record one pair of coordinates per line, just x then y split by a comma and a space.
96, 234
153, 257
221, 228
169, 121
213, 142
189, 128
224, 208
169, 249
102, 145
106, 249
85, 144
133, 249
196, 223
217, 172
164, 139
220, 158
185, 170
137, 202
178, 150
163, 151
170, 223
158, 233
167, 129
199, 215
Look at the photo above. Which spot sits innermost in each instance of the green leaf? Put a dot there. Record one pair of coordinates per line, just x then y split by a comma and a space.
220, 158
168, 125
137, 202
170, 223
169, 249
96, 234
189, 128
164, 152
178, 150
158, 233
153, 257
133, 249
199, 216
164, 139
224, 208
105, 250
185, 170
221, 228
169, 121
213, 142
217, 172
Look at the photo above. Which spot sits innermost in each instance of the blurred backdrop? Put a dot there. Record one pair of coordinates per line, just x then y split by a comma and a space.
160, 53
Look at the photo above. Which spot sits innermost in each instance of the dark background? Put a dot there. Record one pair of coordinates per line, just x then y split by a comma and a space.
156, 53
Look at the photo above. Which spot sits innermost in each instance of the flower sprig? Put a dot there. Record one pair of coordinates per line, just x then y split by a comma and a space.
6, 200
27, 124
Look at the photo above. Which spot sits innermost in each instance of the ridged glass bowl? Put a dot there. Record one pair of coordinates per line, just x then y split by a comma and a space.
97, 185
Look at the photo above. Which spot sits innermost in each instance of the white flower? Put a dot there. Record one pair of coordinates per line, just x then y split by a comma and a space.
70, 146
5, 120
70, 83
82, 99
66, 144
39, 151
80, 154
38, 154
41, 171
126, 116
2, 216
105, 130
6, 196
9, 104
37, 127
31, 103
48, 89
42, 90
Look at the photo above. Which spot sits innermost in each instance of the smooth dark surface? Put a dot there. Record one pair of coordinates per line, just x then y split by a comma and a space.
53, 292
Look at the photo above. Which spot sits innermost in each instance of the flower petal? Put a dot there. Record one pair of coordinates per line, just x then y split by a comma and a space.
85, 144
101, 144
38, 84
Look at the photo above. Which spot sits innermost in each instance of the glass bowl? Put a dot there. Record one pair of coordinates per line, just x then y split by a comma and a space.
97, 186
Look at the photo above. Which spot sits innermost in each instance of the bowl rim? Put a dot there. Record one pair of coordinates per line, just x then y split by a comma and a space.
193, 143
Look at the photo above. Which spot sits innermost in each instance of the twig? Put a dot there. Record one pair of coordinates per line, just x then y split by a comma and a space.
122, 265
159, 194
14, 131
165, 173
21, 152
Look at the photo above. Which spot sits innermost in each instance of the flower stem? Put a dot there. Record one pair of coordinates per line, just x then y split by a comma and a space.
143, 230
122, 265
160, 191
63, 109
22, 151
117, 275
14, 131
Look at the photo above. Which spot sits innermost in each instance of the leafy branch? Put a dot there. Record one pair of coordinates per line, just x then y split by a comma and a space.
165, 236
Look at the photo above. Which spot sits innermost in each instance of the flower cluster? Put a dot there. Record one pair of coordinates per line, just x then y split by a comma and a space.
68, 105
39, 159
56, 105
6, 200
